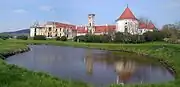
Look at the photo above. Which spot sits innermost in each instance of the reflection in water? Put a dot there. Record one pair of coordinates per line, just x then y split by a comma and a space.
124, 70
127, 70
97, 67
89, 62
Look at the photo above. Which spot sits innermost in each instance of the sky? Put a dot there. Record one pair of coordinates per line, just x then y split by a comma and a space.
20, 14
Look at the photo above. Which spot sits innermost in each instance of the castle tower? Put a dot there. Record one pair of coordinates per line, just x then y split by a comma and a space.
127, 22
91, 23
34, 29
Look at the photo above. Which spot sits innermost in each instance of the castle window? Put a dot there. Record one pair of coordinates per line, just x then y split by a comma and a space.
141, 31
126, 23
55, 35
60, 34
89, 24
50, 28
56, 30
48, 35
125, 29
35, 32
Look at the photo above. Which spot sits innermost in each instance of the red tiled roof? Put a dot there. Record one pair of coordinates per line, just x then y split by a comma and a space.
146, 26
81, 30
112, 27
142, 25
127, 14
104, 28
150, 26
63, 25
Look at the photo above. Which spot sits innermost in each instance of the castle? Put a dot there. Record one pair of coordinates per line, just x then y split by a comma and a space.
127, 22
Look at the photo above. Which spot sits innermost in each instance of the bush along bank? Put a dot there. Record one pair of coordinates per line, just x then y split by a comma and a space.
11, 53
120, 37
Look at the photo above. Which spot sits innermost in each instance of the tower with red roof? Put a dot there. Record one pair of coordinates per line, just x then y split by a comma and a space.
127, 22
91, 23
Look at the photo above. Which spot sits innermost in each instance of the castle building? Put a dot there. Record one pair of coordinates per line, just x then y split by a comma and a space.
127, 22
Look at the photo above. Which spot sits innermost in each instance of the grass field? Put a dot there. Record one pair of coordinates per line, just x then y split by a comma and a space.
12, 76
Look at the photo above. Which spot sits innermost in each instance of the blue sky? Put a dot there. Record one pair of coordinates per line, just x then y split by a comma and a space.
18, 14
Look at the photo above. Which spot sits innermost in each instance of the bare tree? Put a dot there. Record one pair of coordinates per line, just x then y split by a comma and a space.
170, 30
132, 26
144, 20
177, 24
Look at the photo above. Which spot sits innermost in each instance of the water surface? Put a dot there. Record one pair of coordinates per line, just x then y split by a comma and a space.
97, 67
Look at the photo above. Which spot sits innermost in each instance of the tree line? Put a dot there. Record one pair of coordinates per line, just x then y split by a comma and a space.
169, 33
121, 38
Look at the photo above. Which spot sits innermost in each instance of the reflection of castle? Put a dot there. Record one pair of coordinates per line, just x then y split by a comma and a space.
124, 69
89, 62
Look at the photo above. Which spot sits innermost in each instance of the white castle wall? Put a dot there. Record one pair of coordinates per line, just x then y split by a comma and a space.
132, 26
32, 32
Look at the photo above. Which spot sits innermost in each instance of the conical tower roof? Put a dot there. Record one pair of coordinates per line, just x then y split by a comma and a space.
127, 14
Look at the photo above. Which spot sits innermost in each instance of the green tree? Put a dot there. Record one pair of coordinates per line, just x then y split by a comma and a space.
63, 38
58, 38
39, 37
22, 37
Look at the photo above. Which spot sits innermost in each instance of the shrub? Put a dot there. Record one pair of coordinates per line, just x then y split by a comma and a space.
106, 38
118, 37
123, 37
75, 38
22, 37
39, 37
58, 38
128, 38
154, 36
63, 38
137, 39
172, 40
5, 36
81, 38
93, 38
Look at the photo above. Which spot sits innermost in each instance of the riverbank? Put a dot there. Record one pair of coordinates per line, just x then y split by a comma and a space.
13, 76
168, 52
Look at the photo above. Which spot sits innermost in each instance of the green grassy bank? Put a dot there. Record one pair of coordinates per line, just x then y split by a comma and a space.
168, 52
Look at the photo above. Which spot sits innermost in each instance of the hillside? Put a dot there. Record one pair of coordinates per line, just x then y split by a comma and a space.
19, 32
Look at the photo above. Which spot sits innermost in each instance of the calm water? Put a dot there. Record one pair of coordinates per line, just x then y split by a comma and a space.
97, 67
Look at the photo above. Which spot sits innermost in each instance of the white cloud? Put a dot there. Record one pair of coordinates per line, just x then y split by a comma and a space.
46, 8
20, 11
